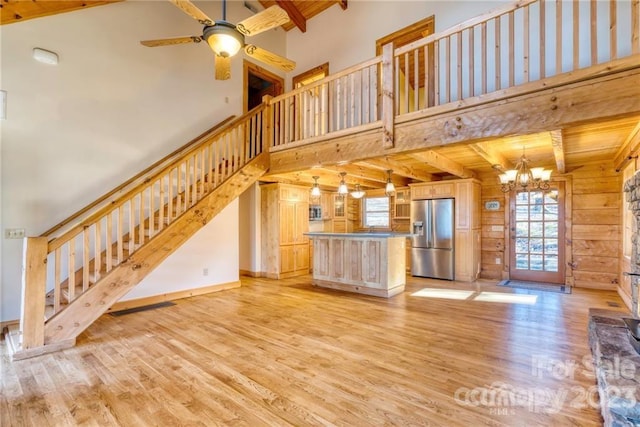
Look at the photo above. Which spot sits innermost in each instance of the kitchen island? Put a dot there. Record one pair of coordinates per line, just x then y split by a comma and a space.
366, 263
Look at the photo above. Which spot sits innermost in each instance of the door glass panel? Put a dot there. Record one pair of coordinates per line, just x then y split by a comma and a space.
537, 231
522, 261
551, 263
535, 246
522, 229
550, 246
522, 213
535, 228
522, 245
536, 262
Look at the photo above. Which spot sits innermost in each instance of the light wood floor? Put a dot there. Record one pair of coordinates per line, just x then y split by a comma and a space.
286, 353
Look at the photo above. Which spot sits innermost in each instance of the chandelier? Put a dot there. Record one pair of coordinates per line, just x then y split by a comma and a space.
524, 177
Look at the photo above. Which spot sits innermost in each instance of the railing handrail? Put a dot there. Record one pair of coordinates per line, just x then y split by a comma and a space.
469, 23
137, 177
346, 71
60, 240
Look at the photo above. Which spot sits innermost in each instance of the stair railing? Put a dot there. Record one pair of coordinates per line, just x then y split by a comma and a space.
57, 271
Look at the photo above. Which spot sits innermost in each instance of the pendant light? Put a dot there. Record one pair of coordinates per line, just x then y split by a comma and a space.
315, 190
342, 188
358, 193
389, 189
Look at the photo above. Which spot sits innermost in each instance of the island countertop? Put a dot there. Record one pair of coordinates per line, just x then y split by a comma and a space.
365, 234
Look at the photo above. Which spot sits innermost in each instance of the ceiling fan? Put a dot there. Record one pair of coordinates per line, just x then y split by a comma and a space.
226, 39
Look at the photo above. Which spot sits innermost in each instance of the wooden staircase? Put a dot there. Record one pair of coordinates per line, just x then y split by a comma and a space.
78, 271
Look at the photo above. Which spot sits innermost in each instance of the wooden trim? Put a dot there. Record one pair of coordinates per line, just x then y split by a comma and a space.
337, 134
320, 69
171, 296
625, 297
39, 351
249, 273
9, 323
137, 177
384, 293
420, 29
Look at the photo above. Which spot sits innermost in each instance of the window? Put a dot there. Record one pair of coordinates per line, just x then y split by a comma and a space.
376, 212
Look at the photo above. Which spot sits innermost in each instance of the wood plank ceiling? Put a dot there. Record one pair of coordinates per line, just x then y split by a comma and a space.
12, 11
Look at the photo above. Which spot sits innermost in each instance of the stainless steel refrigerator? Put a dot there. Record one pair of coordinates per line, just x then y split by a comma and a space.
432, 247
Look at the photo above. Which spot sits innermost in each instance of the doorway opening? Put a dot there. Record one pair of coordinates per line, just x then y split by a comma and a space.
537, 234
259, 82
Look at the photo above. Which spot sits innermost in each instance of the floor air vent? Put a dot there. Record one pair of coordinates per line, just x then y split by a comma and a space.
613, 304
143, 308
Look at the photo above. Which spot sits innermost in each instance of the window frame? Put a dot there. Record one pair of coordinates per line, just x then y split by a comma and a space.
365, 211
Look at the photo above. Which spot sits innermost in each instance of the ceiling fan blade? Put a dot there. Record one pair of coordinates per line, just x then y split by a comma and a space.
269, 58
223, 67
263, 21
190, 9
171, 41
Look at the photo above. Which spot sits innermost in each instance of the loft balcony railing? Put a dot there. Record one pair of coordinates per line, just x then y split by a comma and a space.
527, 41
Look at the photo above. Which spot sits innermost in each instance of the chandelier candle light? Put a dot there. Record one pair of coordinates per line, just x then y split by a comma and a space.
524, 178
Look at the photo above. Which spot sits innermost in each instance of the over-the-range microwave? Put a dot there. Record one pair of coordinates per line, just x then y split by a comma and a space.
315, 212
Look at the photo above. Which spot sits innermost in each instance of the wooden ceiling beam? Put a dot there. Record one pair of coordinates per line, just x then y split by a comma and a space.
17, 11
370, 174
629, 149
558, 149
294, 14
327, 179
493, 157
443, 163
398, 168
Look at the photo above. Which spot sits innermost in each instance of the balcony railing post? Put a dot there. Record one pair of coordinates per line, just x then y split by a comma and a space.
387, 83
34, 277
267, 124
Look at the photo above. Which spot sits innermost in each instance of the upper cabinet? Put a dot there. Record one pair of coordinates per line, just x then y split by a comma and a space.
402, 203
433, 190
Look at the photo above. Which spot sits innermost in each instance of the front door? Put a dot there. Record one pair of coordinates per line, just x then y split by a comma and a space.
537, 235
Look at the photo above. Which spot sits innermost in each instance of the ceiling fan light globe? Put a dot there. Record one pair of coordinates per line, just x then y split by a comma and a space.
223, 39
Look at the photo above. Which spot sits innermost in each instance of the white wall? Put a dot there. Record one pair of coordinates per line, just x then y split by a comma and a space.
109, 109
249, 229
353, 32
214, 248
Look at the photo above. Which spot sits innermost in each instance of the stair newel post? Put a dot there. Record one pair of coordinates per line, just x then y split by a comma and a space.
267, 124
34, 281
387, 81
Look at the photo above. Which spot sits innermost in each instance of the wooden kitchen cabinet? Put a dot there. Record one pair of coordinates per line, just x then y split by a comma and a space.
326, 204
433, 190
402, 203
285, 219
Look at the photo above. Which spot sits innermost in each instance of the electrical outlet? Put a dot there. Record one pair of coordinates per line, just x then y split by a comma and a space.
205, 271
14, 233
496, 228
498, 261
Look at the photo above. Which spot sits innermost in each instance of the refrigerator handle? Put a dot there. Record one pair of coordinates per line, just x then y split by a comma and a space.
418, 228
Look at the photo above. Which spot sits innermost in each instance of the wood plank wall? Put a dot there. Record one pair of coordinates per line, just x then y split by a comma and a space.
596, 227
